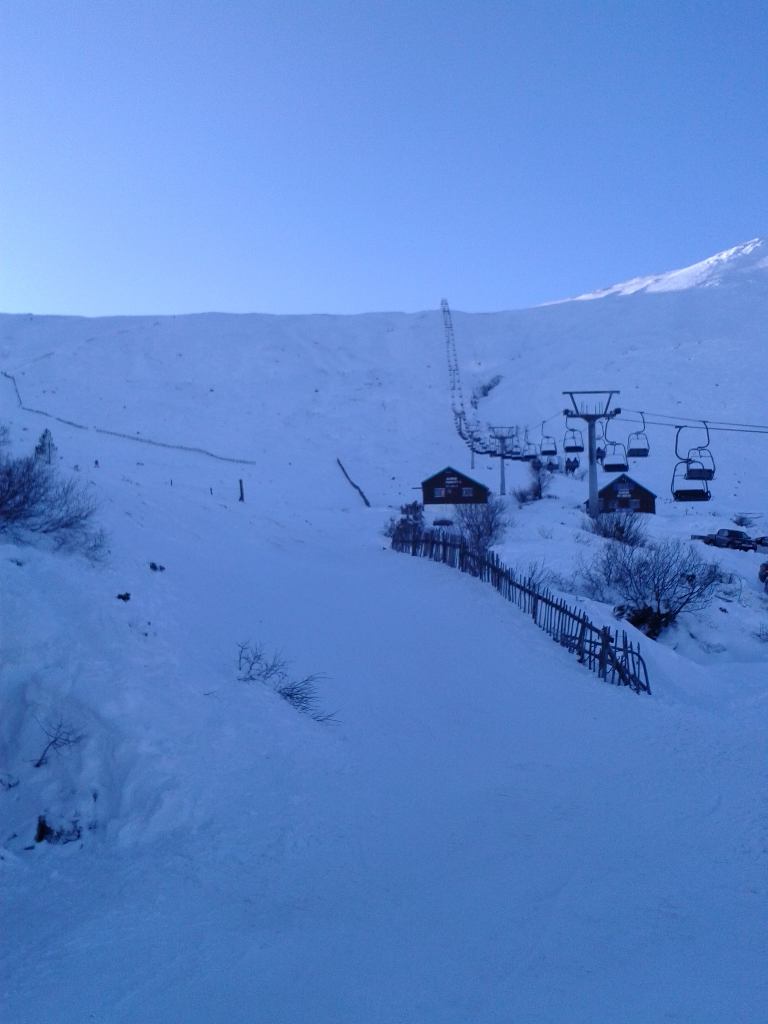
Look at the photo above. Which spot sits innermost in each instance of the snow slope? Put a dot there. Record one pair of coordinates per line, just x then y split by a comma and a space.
489, 833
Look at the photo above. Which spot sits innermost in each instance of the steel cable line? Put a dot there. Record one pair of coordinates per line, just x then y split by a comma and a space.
688, 421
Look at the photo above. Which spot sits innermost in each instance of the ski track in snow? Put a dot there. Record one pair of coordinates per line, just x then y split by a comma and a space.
490, 833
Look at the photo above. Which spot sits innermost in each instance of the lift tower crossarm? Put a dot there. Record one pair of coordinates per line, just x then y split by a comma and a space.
601, 412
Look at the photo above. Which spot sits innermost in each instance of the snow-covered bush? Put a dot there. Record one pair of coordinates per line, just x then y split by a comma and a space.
482, 526
626, 527
45, 449
743, 520
409, 526
536, 489
35, 500
653, 584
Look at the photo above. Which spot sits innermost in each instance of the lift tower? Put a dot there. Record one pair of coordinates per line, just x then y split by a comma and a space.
502, 436
598, 411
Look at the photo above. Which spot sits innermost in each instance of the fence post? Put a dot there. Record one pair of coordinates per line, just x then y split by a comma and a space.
605, 642
582, 634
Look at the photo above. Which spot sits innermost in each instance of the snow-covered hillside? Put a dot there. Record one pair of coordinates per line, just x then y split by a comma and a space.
489, 833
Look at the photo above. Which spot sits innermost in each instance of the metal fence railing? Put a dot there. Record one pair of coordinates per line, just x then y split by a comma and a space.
601, 649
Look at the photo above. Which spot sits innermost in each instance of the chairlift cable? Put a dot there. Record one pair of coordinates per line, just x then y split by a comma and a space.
675, 421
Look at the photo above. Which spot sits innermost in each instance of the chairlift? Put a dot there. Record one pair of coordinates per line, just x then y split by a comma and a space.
681, 491
572, 463
615, 457
637, 443
530, 451
573, 440
548, 444
552, 464
701, 465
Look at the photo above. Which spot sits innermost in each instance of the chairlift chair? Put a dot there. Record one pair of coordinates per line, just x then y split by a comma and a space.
701, 465
699, 462
573, 440
548, 445
615, 457
637, 443
683, 492
530, 450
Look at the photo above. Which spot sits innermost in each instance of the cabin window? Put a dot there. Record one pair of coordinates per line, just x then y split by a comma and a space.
467, 492
635, 504
439, 492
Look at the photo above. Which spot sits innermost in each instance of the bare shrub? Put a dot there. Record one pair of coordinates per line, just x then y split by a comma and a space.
254, 665
60, 737
482, 526
536, 489
626, 527
409, 526
302, 694
743, 520
654, 584
535, 575
35, 500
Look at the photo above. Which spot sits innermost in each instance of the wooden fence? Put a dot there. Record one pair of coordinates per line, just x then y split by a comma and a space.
600, 649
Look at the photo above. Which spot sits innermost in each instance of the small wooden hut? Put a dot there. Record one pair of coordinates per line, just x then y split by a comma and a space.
625, 495
449, 487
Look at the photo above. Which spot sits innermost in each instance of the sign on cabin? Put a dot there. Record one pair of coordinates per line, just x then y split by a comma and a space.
625, 494
449, 487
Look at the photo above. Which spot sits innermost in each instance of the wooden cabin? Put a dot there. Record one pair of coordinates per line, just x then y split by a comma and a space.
449, 487
625, 495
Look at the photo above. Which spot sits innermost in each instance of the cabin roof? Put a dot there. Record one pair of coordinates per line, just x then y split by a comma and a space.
623, 477
454, 472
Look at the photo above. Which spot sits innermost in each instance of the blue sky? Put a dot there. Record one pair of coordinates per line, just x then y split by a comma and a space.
344, 157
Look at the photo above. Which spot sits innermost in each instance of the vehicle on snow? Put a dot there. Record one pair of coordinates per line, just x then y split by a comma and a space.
735, 539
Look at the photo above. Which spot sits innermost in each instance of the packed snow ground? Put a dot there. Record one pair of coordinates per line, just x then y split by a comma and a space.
489, 833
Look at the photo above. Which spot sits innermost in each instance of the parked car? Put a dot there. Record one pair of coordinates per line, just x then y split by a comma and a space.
736, 539
762, 543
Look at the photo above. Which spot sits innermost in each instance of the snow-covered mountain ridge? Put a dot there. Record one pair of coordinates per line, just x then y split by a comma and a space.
489, 833
718, 269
